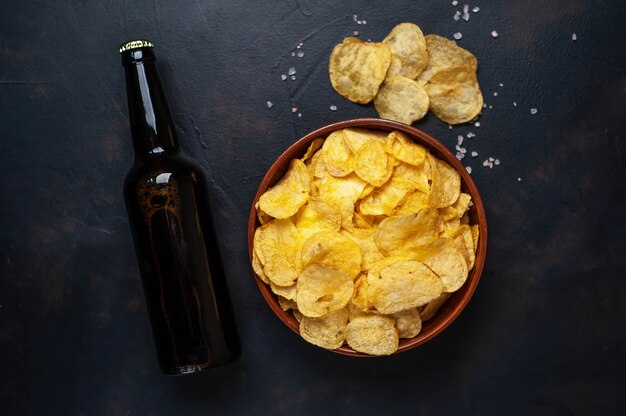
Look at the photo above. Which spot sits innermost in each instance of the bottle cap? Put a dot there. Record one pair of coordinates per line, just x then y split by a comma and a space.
136, 44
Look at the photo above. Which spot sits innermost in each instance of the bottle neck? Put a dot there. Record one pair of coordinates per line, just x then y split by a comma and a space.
150, 120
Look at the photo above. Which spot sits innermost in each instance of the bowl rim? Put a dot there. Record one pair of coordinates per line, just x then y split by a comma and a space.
429, 142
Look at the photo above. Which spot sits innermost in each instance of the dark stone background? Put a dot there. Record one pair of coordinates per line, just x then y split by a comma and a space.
545, 331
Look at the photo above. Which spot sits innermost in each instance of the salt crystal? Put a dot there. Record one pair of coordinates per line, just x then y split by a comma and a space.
501, 84
474, 154
496, 162
465, 8
514, 104
519, 179
458, 147
485, 105
455, 3
364, 22
300, 45
291, 71
355, 17
463, 150
459, 139
457, 35
283, 77
490, 107
470, 135
495, 94
468, 169
477, 124
476, 9
449, 127
270, 104
300, 54
293, 54
459, 155
491, 159
355, 33
494, 34
456, 16
294, 109
574, 37
466, 16
333, 108
293, 77
485, 162
533, 111
299, 115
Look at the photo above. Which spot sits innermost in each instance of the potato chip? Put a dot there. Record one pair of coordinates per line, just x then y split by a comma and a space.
333, 250
372, 164
446, 184
365, 239
403, 285
357, 69
475, 232
297, 314
372, 334
444, 54
429, 311
287, 292
412, 204
286, 304
342, 191
408, 323
278, 246
359, 297
313, 147
318, 215
336, 154
383, 200
257, 267
263, 217
355, 138
401, 99
464, 242
403, 149
291, 192
396, 235
321, 290
416, 177
326, 332
455, 95
456, 210
408, 51
446, 261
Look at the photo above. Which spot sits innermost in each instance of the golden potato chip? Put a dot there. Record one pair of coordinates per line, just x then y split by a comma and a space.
450, 229
291, 192
287, 292
372, 164
257, 266
403, 149
401, 99
372, 334
446, 183
365, 239
355, 138
297, 314
475, 232
318, 215
408, 323
445, 54
408, 51
412, 204
287, 304
278, 244
336, 154
396, 235
354, 310
361, 221
446, 261
464, 242
357, 69
403, 285
369, 188
342, 191
263, 217
313, 147
359, 296
333, 250
457, 209
429, 311
326, 332
455, 95
415, 176
321, 290
383, 200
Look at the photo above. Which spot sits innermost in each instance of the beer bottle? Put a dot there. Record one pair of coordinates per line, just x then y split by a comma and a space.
179, 260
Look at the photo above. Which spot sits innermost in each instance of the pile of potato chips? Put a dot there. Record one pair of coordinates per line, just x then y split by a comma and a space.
408, 73
364, 238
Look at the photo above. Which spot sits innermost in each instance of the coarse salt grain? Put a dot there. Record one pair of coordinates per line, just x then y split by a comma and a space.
294, 109
300, 54
291, 71
457, 16
466, 17
465, 8
270, 104
495, 94
494, 34
474, 154
574, 37
514, 104
459, 155
459, 140
476, 9
490, 107
491, 159
333, 108
519, 179
533, 111
468, 169
463, 150
477, 124
299, 115
283, 77
455, 3
496, 162
457, 35
293, 77
501, 84
470, 135
355, 33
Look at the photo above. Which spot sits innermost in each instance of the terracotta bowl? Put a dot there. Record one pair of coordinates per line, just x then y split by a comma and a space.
459, 299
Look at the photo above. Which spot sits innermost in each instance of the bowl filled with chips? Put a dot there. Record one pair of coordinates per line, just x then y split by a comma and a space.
367, 237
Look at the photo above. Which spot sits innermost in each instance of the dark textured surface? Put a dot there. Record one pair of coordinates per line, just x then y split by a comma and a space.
545, 332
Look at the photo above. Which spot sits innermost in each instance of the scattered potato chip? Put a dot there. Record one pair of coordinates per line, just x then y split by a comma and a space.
408, 323
322, 290
444, 54
355, 138
318, 215
278, 245
372, 164
446, 183
327, 331
408, 51
446, 261
333, 250
403, 285
401, 99
398, 234
455, 95
403, 149
429, 311
291, 192
357, 69
372, 334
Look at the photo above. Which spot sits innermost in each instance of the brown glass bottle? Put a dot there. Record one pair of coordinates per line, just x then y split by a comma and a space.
179, 260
